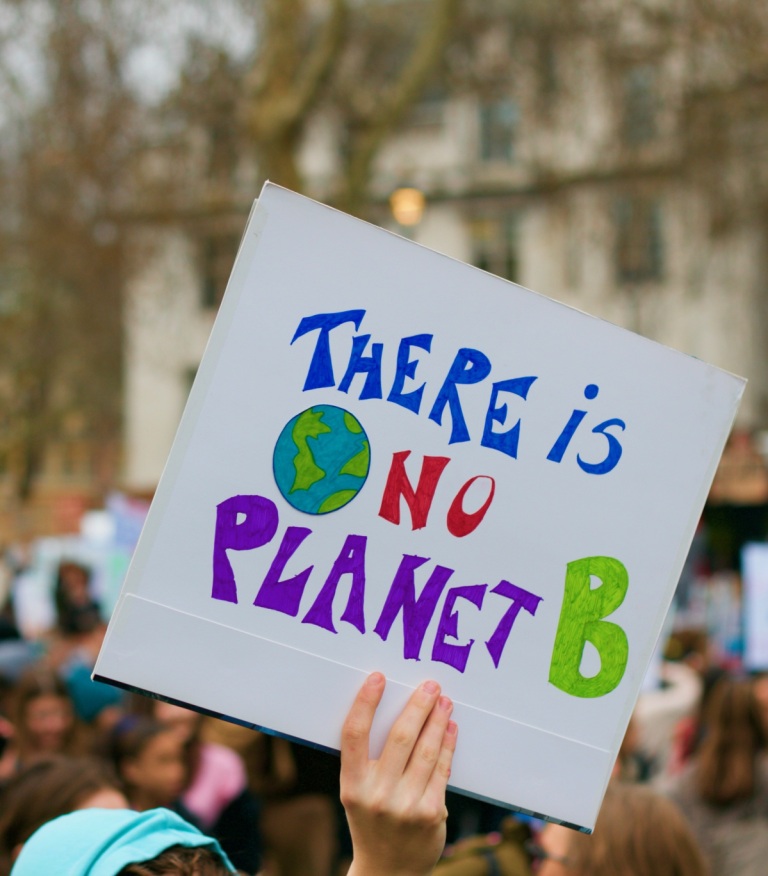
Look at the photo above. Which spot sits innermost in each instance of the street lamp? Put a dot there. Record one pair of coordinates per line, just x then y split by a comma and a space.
407, 205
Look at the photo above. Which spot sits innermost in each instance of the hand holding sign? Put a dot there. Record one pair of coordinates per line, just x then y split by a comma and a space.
396, 805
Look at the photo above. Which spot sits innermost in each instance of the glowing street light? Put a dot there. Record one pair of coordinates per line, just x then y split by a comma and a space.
407, 205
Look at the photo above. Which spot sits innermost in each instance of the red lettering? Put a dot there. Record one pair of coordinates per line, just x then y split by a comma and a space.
459, 522
419, 501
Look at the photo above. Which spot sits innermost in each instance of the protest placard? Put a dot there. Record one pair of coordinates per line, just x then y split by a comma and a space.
754, 572
393, 461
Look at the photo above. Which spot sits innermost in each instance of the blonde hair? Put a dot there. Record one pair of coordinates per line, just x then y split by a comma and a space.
638, 833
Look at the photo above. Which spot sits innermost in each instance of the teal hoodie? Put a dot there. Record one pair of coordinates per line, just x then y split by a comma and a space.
100, 842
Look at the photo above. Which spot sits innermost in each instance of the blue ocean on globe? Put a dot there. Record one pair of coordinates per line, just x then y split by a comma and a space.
321, 459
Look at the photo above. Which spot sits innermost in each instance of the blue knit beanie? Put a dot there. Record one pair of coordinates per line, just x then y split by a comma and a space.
100, 842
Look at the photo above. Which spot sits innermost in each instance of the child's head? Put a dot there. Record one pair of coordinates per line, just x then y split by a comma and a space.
180, 861
185, 722
149, 759
77, 611
121, 843
42, 714
734, 735
637, 831
50, 788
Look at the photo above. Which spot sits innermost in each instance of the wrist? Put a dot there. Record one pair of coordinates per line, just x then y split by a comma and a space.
360, 867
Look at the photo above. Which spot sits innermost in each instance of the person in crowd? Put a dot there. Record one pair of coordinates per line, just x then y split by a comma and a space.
43, 721
689, 730
760, 687
633, 764
73, 646
724, 789
47, 789
215, 796
102, 842
148, 758
395, 806
77, 611
302, 824
301, 818
638, 832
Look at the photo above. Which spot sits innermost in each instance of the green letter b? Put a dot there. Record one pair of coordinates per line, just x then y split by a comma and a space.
581, 621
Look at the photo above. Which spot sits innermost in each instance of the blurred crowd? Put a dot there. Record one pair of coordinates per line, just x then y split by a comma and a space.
67, 742
694, 755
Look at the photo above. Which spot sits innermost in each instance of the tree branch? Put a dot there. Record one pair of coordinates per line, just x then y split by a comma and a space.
285, 82
386, 114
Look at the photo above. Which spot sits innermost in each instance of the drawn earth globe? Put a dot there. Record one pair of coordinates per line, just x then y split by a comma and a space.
321, 459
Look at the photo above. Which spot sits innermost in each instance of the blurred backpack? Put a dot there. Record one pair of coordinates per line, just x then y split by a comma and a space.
500, 854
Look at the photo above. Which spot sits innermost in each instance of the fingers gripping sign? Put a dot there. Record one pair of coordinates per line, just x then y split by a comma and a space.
396, 805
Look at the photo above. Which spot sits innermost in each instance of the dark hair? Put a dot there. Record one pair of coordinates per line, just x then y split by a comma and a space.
145, 707
36, 682
734, 735
129, 737
180, 861
43, 791
75, 616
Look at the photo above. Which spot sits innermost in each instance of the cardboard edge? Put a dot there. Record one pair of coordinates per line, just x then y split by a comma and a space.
327, 750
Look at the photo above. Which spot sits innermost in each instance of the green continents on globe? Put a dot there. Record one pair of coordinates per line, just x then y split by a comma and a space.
321, 459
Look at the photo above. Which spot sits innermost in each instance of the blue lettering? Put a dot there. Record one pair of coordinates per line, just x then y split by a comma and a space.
320, 372
407, 368
469, 366
369, 365
614, 449
506, 442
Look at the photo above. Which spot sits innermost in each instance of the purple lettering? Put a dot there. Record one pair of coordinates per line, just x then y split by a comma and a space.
256, 528
284, 596
520, 599
417, 613
455, 655
351, 560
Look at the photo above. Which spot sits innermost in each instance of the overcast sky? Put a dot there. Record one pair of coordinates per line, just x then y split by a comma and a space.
152, 70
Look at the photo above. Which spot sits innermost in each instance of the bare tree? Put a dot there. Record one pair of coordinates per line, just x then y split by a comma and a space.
66, 175
295, 57
366, 63
73, 159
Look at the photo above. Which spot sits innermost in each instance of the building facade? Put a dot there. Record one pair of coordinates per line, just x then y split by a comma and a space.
583, 171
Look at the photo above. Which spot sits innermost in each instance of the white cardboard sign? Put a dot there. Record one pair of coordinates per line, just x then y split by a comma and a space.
393, 461
754, 571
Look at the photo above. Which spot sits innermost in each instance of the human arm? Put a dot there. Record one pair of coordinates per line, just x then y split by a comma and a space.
396, 805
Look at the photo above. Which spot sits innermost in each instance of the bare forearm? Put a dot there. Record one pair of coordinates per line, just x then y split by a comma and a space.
396, 805
374, 870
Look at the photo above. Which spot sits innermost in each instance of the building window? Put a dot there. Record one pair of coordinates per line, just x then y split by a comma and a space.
495, 245
546, 61
639, 105
429, 109
639, 246
218, 257
498, 130
188, 378
11, 283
